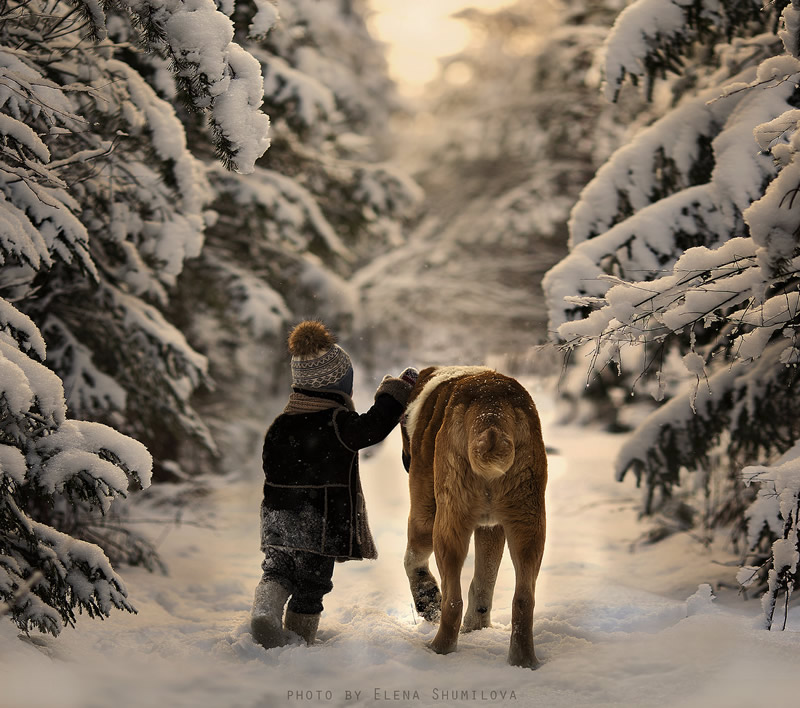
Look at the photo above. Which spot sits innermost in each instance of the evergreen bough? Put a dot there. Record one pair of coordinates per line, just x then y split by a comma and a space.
686, 245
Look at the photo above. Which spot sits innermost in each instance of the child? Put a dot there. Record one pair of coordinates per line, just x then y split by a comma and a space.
313, 512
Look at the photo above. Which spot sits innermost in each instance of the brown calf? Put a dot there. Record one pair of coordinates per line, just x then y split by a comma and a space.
472, 444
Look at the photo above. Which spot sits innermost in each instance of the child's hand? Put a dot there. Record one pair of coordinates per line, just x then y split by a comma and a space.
399, 387
410, 375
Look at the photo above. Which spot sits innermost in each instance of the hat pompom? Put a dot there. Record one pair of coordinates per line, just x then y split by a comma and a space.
310, 339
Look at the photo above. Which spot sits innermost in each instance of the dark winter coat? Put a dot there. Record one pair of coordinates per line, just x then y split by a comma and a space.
312, 490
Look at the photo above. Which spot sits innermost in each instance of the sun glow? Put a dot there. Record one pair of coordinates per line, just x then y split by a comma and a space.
420, 32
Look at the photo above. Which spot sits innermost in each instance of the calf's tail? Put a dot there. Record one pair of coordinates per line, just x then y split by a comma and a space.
490, 449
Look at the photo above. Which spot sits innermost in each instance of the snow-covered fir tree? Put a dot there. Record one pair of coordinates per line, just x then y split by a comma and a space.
47, 575
101, 202
684, 245
116, 196
509, 133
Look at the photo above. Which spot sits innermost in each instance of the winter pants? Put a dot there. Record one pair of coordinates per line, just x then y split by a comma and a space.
307, 577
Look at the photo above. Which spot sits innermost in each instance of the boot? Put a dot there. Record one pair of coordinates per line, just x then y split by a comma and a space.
303, 625
266, 622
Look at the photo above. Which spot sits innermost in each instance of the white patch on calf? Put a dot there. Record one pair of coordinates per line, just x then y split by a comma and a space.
442, 374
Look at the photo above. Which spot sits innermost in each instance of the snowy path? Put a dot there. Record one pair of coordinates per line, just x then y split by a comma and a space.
613, 628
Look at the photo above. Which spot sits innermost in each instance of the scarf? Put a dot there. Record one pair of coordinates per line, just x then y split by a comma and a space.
305, 401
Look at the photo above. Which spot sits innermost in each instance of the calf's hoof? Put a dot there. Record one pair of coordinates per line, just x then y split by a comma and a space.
428, 603
474, 620
526, 660
443, 646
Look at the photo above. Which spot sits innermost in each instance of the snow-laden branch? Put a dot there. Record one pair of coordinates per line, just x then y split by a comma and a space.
777, 508
681, 433
652, 37
216, 74
312, 104
659, 226
256, 305
701, 283
87, 388
43, 456
291, 214
790, 34
666, 157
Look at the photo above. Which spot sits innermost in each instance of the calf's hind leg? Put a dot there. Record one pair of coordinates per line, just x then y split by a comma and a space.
424, 590
450, 544
526, 548
489, 544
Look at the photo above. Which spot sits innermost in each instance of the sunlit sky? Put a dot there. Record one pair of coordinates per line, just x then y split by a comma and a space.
418, 32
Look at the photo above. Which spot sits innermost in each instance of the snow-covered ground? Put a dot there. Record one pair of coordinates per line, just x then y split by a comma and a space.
612, 627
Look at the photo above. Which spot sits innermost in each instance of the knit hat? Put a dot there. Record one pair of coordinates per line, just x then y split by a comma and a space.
317, 361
